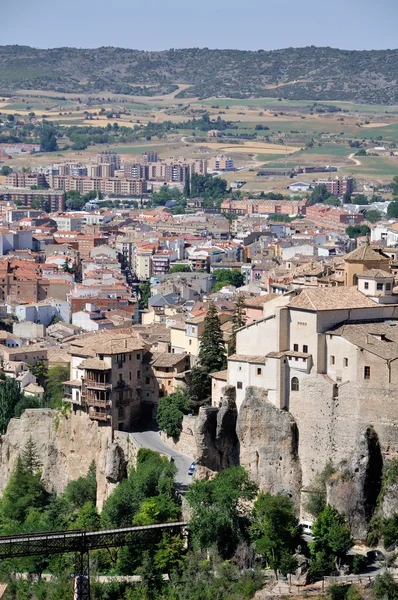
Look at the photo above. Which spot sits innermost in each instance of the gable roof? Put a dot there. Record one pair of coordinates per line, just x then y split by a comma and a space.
376, 273
335, 298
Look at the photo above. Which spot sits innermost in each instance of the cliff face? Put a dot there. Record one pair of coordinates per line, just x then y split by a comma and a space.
66, 446
268, 439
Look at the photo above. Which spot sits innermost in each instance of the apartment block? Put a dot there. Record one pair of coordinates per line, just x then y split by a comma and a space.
51, 200
221, 163
338, 186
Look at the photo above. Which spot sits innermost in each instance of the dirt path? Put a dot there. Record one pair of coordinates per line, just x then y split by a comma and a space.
355, 160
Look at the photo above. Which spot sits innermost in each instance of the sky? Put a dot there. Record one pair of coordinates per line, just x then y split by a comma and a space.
163, 24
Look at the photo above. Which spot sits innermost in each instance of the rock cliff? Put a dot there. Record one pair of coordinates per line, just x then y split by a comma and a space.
66, 446
268, 440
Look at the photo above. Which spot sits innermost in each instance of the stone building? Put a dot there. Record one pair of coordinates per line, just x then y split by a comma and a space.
329, 358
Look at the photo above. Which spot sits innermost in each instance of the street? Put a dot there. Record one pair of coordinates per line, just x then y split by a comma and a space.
151, 439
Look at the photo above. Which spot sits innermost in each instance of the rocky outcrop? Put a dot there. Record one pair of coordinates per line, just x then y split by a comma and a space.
355, 487
389, 504
66, 446
268, 439
215, 434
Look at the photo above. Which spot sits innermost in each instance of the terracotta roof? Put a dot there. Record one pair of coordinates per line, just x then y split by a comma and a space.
259, 301
164, 359
378, 337
223, 375
95, 363
247, 358
335, 298
364, 253
377, 273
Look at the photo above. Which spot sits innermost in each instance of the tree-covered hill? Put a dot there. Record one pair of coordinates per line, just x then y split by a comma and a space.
292, 73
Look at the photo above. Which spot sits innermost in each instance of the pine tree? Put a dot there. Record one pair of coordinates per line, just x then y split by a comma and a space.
187, 185
212, 356
238, 320
30, 458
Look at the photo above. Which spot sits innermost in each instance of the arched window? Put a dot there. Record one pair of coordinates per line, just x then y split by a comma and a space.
295, 386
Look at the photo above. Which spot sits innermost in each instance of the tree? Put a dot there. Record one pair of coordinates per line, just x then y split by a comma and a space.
275, 531
238, 320
394, 185
30, 458
169, 554
10, 397
40, 371
54, 392
331, 534
386, 588
332, 201
180, 269
74, 200
227, 277
215, 514
392, 210
5, 170
373, 216
316, 501
187, 185
212, 348
171, 411
360, 199
82, 490
48, 139
354, 231
319, 194
145, 293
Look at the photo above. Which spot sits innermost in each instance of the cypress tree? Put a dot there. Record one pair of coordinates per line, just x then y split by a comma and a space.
238, 320
212, 356
187, 185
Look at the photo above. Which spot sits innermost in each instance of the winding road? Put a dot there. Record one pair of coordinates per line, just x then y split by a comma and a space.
152, 440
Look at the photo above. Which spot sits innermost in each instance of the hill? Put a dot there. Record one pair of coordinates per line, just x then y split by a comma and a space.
293, 73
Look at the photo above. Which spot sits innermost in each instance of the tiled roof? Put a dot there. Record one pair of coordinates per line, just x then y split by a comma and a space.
259, 301
164, 359
223, 375
377, 273
378, 337
95, 363
335, 298
247, 358
364, 253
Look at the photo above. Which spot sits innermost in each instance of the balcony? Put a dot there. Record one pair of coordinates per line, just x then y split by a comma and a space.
97, 385
98, 416
92, 401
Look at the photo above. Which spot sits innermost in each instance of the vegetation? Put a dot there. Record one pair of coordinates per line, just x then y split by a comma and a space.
212, 357
238, 320
392, 210
354, 231
316, 501
13, 402
171, 411
332, 540
227, 277
301, 73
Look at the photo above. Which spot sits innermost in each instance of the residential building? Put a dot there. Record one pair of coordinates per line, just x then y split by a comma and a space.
221, 163
337, 186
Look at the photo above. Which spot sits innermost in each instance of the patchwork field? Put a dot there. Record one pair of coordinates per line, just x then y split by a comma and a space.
266, 131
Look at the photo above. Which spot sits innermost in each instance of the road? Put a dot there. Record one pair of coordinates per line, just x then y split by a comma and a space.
152, 440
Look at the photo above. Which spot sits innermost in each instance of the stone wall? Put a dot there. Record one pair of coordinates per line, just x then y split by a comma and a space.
66, 446
187, 442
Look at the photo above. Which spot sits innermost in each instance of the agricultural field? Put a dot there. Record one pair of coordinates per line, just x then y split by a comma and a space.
278, 133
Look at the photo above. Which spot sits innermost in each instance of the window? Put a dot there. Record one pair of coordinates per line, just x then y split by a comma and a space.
138, 356
295, 386
388, 286
305, 349
190, 342
332, 360
138, 374
379, 286
120, 358
366, 372
120, 377
147, 380
130, 375
121, 412
366, 285
346, 362
129, 356
259, 371
239, 385
295, 347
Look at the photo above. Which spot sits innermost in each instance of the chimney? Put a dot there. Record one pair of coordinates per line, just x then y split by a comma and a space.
125, 343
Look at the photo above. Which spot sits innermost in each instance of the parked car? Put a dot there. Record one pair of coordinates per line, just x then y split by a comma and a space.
192, 469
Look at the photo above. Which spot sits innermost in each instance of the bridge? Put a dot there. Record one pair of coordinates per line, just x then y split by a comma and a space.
80, 543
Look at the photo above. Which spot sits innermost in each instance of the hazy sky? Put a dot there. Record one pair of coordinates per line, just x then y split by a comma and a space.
162, 24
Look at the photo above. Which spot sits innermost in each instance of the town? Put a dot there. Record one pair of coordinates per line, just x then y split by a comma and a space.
198, 303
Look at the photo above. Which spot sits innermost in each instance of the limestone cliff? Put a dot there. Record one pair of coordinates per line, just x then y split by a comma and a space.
268, 439
66, 446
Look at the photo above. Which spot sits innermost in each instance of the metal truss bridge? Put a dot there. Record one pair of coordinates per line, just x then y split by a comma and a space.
80, 543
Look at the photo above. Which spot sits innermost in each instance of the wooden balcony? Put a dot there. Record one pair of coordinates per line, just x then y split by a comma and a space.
98, 416
97, 385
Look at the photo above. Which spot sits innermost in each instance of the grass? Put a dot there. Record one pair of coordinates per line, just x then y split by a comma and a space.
374, 166
388, 132
274, 103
